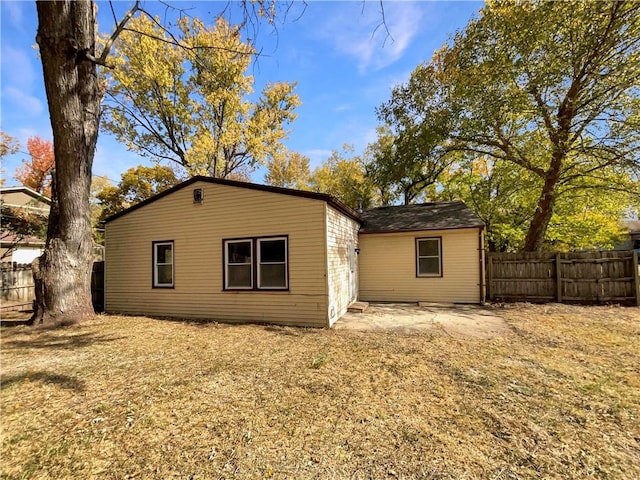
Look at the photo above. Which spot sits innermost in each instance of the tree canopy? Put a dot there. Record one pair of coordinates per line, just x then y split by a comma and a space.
504, 196
186, 98
343, 175
136, 184
36, 173
8, 144
406, 165
547, 89
290, 170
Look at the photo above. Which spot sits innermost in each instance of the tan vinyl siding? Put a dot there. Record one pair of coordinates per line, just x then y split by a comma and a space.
388, 268
197, 231
22, 199
342, 262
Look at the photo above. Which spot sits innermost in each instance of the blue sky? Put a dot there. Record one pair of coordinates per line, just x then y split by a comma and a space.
344, 67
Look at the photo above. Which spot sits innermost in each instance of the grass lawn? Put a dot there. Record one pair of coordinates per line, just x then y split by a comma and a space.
133, 397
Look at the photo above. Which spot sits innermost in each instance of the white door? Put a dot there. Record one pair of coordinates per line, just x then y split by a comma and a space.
353, 279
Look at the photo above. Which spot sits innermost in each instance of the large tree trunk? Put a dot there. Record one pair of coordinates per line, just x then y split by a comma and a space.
66, 36
539, 223
544, 210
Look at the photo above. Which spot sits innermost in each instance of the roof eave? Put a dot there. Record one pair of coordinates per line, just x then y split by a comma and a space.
29, 191
334, 202
428, 229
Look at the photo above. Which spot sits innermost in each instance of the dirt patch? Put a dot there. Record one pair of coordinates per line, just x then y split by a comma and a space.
460, 320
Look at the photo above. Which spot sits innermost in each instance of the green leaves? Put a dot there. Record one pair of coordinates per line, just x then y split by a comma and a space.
548, 90
344, 178
136, 184
405, 165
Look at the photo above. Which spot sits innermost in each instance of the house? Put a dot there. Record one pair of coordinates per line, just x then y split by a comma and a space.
433, 252
632, 242
237, 252
22, 248
19, 249
234, 251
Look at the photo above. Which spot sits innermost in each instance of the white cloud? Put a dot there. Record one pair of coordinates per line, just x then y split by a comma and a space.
371, 42
342, 108
16, 66
14, 11
24, 134
29, 105
316, 156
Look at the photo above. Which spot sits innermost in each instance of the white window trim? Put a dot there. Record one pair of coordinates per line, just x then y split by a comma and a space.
226, 263
439, 257
156, 265
285, 263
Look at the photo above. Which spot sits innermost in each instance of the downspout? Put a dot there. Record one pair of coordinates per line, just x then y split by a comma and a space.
481, 259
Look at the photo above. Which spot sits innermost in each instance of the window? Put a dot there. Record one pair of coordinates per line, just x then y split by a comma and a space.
428, 257
163, 264
266, 269
239, 270
272, 263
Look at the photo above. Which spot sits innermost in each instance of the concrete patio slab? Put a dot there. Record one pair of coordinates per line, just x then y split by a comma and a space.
455, 320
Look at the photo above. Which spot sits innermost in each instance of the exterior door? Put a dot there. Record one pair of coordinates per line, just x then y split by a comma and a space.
353, 275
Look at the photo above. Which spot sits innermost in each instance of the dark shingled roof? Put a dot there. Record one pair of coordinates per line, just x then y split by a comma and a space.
425, 216
7, 237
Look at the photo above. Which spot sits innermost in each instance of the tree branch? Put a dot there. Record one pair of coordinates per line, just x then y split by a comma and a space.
119, 28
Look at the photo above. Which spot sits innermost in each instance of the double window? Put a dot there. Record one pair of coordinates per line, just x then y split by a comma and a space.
163, 264
256, 264
429, 257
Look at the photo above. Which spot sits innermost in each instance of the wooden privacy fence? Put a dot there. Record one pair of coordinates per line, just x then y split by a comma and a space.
587, 277
17, 285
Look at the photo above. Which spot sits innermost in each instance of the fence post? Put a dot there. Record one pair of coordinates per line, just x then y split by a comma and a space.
636, 279
558, 278
490, 276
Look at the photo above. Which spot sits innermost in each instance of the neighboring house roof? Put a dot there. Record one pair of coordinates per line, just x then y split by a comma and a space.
8, 238
633, 226
425, 216
334, 202
26, 191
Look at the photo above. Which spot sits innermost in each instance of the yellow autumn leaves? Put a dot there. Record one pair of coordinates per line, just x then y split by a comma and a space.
184, 97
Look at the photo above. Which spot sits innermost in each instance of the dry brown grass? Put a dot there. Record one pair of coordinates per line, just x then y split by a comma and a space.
133, 397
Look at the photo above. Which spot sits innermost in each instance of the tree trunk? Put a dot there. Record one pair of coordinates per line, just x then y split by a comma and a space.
544, 210
66, 36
